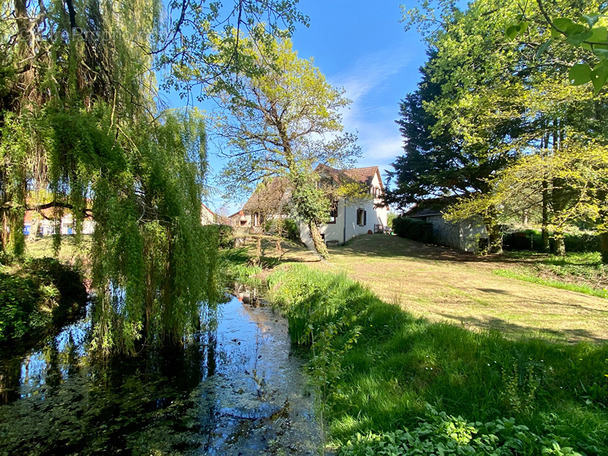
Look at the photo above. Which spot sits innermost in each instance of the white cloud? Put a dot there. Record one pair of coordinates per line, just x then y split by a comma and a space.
373, 83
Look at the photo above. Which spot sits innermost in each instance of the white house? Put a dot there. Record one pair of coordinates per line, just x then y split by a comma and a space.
208, 217
349, 217
43, 223
355, 216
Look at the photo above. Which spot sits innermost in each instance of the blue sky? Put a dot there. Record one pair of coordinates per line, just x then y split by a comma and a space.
364, 49
361, 46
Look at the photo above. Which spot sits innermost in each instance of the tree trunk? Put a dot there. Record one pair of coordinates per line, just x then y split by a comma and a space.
604, 234
317, 240
560, 244
604, 247
545, 220
494, 234
150, 292
258, 250
5, 231
35, 226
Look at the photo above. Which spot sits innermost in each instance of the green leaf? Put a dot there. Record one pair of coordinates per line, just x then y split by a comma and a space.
590, 19
512, 31
575, 29
562, 23
523, 26
579, 74
599, 75
579, 38
601, 53
598, 35
542, 48
516, 29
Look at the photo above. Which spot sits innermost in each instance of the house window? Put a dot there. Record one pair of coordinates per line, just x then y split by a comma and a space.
361, 217
258, 219
333, 212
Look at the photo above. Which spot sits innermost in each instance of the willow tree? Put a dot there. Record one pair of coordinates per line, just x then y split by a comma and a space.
80, 128
281, 119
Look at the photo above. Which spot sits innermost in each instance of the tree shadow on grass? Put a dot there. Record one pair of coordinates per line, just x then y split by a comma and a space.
513, 330
382, 246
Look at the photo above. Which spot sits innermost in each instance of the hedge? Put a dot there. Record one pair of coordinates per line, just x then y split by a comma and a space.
417, 230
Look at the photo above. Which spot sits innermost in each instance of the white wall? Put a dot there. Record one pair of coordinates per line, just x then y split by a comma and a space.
347, 215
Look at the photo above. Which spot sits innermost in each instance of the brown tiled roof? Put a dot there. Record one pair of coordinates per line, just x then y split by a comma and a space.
270, 194
362, 175
267, 195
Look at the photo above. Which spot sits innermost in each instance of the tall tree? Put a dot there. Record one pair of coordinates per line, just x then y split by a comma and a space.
499, 98
281, 120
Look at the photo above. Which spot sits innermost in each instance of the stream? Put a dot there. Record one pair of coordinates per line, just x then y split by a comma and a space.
236, 388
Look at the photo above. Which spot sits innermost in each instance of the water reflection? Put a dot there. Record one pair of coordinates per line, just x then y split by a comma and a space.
233, 388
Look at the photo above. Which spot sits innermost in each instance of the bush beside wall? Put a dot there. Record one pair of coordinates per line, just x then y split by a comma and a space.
532, 240
409, 228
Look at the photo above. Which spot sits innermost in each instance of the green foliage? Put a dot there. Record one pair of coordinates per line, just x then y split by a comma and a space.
586, 32
380, 367
504, 132
441, 434
18, 298
224, 233
292, 231
37, 297
532, 240
236, 268
409, 228
79, 124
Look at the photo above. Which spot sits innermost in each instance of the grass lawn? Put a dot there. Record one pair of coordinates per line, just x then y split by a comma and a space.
378, 369
445, 285
583, 272
69, 252
521, 372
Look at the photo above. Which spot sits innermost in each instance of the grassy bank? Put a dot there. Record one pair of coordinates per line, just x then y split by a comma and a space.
580, 272
403, 382
529, 276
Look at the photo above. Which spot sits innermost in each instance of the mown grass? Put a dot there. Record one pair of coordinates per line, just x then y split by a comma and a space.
378, 368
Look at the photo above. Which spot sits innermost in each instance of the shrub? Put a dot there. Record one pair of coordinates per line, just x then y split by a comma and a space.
225, 236
42, 294
417, 230
18, 299
532, 240
292, 231
223, 233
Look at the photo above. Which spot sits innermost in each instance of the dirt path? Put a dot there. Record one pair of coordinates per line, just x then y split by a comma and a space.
447, 285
